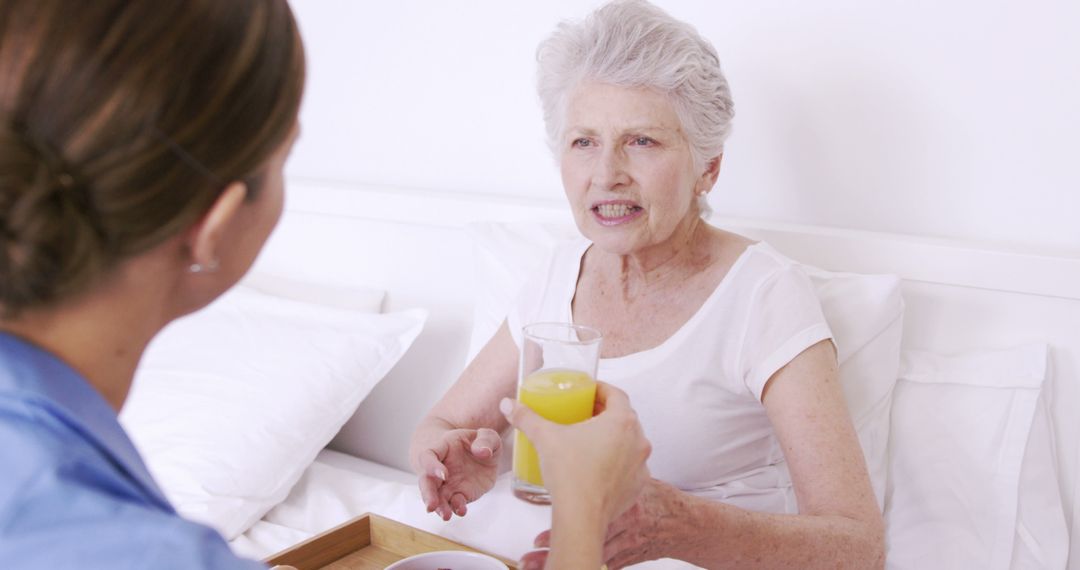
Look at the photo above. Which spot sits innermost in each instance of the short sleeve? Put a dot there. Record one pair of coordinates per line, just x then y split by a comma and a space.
783, 320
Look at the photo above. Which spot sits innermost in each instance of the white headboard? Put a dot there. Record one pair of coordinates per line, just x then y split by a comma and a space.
413, 244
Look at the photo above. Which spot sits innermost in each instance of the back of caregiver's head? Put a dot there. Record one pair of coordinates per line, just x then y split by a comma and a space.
121, 122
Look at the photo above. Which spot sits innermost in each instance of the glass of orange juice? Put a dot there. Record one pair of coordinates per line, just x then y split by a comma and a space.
557, 380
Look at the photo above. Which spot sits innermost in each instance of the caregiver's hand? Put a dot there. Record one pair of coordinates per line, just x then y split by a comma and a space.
594, 470
601, 459
457, 469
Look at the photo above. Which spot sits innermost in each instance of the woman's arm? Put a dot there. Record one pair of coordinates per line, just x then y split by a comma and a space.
455, 448
838, 525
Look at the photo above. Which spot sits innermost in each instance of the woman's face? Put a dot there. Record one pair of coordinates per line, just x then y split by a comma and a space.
627, 167
259, 215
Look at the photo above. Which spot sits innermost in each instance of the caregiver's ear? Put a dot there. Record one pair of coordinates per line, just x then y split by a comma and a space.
204, 242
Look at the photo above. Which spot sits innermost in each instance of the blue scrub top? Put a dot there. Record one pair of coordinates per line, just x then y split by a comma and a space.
74, 492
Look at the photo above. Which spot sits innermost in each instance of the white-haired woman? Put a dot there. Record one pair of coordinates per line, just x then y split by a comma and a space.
719, 341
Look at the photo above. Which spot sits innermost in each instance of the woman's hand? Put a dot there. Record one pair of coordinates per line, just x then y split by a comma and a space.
646, 531
459, 468
455, 449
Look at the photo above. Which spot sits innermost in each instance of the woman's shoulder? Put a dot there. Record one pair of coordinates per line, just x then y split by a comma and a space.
755, 261
739, 246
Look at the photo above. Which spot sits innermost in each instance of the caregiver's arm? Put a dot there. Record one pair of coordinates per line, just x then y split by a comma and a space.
838, 525
455, 448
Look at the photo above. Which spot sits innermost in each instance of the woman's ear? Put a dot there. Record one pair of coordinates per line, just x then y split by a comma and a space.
204, 241
709, 176
712, 169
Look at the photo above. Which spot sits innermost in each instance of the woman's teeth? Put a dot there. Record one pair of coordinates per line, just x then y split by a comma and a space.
615, 210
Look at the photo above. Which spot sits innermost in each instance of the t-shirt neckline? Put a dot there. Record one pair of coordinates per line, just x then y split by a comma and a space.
684, 330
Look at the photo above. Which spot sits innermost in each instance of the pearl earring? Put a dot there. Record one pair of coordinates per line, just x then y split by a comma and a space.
200, 268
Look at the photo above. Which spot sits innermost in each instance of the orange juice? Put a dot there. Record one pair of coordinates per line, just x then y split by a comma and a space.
560, 395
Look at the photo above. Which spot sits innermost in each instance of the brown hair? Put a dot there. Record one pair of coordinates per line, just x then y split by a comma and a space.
121, 121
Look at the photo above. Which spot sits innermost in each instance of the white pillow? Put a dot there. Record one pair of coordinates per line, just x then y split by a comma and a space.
352, 298
971, 483
232, 403
864, 312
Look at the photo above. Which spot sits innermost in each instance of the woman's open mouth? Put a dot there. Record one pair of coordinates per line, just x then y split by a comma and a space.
614, 213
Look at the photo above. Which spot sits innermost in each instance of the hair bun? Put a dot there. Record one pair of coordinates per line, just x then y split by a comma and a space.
50, 243
34, 154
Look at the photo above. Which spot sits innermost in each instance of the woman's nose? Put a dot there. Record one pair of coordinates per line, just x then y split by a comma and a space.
610, 170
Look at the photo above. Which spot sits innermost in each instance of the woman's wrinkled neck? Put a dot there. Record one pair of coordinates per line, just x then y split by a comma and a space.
685, 252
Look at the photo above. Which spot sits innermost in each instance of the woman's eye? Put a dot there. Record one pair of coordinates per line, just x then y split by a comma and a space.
642, 141
581, 143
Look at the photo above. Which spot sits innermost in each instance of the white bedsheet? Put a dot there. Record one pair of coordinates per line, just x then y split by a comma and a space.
338, 487
335, 488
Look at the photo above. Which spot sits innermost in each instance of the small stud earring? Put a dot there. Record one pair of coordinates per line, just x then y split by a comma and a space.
200, 268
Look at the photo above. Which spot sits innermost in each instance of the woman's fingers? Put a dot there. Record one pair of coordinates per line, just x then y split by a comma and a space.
429, 487
543, 540
486, 444
429, 492
534, 559
432, 466
434, 474
459, 503
615, 549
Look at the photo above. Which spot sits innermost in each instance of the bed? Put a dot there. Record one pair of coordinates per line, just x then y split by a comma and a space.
388, 290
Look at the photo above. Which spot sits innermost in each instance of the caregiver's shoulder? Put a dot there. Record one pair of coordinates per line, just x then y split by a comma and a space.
62, 506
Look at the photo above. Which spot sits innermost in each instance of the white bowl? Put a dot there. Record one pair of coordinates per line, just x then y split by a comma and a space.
452, 559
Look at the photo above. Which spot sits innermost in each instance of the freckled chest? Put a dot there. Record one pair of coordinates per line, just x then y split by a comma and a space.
637, 320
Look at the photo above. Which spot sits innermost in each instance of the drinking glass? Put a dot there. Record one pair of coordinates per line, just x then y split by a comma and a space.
557, 381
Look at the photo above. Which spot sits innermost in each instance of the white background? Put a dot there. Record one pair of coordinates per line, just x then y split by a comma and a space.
956, 119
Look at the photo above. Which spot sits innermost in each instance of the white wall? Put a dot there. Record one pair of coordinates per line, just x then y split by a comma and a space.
943, 118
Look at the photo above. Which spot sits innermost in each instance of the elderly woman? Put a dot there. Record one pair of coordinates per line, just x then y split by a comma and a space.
719, 341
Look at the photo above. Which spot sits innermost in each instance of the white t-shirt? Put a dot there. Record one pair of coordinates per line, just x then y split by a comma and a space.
698, 394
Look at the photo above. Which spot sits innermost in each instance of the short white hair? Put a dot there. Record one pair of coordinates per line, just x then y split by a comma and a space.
632, 43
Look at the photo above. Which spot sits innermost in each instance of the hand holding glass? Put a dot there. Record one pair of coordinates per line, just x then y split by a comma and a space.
557, 381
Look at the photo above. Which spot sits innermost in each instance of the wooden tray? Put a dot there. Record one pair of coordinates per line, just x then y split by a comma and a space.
368, 541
